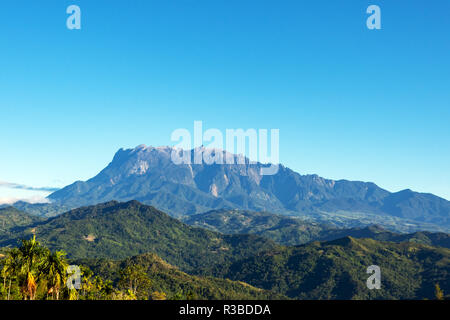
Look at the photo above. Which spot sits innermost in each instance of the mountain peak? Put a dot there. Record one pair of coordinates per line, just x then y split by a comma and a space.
347, 241
148, 174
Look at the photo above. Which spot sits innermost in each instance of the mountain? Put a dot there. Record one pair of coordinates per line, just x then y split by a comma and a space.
435, 239
119, 230
147, 174
295, 231
12, 219
41, 209
337, 270
283, 229
170, 280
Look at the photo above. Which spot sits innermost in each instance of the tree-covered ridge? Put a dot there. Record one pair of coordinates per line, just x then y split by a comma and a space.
11, 218
337, 270
288, 230
177, 284
41, 209
280, 228
110, 233
33, 272
119, 230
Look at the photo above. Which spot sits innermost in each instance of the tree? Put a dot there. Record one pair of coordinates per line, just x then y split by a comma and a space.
32, 272
438, 292
31, 256
178, 295
157, 295
55, 270
87, 285
10, 269
191, 295
73, 294
135, 279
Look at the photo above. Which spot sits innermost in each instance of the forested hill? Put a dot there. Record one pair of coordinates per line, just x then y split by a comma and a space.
289, 230
318, 270
119, 230
175, 283
337, 270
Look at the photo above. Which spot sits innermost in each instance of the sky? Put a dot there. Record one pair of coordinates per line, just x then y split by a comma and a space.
350, 103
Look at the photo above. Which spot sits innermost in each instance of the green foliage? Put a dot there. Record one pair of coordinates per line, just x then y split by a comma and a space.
204, 264
94, 287
55, 269
134, 279
32, 272
41, 210
13, 220
282, 229
120, 230
290, 230
337, 270
176, 284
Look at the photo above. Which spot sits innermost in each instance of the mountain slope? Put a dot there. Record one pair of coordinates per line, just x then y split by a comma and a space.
436, 239
148, 175
120, 230
337, 270
318, 270
41, 209
12, 219
282, 229
294, 231
170, 280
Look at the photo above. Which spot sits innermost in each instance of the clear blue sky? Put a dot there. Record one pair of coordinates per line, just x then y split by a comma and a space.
349, 102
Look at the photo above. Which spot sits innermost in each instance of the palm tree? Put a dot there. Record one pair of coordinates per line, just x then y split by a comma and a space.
87, 284
438, 292
11, 268
55, 268
31, 255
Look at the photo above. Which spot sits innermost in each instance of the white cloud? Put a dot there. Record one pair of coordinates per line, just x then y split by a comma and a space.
32, 200
11, 193
25, 187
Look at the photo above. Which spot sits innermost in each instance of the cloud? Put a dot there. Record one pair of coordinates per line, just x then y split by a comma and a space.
32, 200
24, 187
